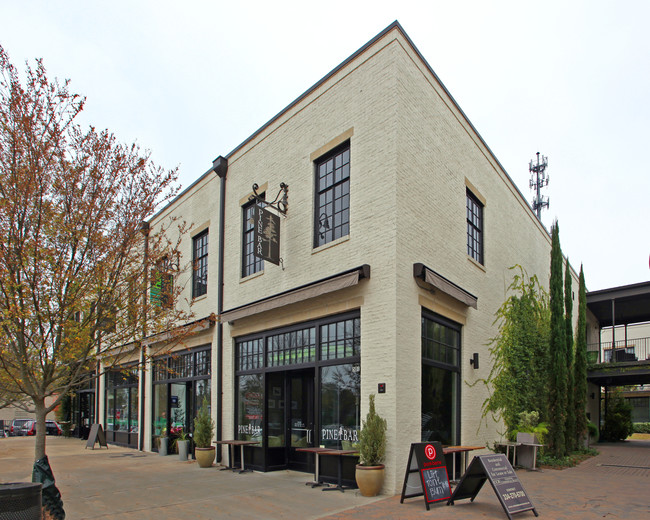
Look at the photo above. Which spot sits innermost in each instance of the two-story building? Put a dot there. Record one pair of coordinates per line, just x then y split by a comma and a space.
393, 256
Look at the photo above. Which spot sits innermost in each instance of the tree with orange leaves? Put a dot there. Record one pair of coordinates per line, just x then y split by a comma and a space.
73, 282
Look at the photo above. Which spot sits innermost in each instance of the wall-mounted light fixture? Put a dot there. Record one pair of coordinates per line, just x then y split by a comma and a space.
593, 395
474, 360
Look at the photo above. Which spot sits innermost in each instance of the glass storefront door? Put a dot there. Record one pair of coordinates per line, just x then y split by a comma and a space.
300, 417
86, 413
179, 407
290, 418
181, 383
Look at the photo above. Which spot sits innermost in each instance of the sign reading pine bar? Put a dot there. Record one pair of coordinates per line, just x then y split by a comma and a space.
266, 235
330, 284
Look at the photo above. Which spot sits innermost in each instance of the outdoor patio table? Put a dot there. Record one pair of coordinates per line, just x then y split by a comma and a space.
339, 454
508, 444
451, 450
316, 451
231, 457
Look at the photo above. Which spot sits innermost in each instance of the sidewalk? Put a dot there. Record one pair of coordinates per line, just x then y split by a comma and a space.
126, 484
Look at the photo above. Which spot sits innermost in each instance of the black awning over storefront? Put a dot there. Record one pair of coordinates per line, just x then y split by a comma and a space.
326, 285
439, 282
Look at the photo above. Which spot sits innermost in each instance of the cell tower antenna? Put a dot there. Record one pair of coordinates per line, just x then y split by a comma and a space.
539, 179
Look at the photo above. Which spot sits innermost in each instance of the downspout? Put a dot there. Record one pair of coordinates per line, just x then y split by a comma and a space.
220, 167
144, 229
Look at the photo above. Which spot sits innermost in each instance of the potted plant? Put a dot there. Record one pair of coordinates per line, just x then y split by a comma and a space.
163, 442
182, 441
372, 449
203, 433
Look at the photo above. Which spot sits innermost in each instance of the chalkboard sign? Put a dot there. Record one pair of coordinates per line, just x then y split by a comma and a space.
96, 435
426, 473
497, 469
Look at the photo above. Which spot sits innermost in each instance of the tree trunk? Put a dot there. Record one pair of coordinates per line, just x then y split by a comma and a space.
39, 445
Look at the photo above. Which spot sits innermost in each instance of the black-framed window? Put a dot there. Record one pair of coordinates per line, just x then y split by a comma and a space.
182, 365
200, 263
332, 207
250, 354
440, 388
162, 288
340, 406
121, 410
251, 264
291, 348
181, 381
331, 347
474, 228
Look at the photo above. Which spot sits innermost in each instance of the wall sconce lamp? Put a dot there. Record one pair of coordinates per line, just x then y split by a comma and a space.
474, 360
593, 395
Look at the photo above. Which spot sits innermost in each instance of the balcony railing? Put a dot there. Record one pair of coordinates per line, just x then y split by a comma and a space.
621, 351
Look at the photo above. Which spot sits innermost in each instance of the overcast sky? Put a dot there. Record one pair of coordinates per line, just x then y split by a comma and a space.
191, 80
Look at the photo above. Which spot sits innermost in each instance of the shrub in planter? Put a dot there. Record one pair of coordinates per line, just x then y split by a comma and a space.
372, 449
203, 432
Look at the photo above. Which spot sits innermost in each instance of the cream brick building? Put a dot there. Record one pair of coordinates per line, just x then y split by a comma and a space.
393, 285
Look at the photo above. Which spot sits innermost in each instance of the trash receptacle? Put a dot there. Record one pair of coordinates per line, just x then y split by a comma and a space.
20, 501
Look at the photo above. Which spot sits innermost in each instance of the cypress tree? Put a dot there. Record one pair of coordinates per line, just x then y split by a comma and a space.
570, 434
580, 364
557, 351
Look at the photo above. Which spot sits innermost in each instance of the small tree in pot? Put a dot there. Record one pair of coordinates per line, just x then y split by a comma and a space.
372, 449
203, 432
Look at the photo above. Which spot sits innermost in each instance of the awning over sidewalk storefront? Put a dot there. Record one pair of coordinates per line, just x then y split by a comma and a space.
439, 282
337, 282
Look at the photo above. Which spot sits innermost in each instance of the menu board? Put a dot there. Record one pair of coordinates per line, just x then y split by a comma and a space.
497, 470
426, 473
96, 435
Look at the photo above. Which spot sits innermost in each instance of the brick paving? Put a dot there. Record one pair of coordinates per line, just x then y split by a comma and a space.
126, 484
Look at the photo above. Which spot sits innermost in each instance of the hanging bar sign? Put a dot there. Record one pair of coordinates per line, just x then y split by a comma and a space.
266, 235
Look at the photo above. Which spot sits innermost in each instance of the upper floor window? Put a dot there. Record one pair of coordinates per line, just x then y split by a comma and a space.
162, 287
251, 264
200, 263
332, 208
474, 228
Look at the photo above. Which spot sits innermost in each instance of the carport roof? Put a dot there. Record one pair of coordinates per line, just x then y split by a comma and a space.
629, 303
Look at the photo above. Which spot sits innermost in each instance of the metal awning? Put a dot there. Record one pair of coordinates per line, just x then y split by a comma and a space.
437, 281
621, 305
305, 292
181, 331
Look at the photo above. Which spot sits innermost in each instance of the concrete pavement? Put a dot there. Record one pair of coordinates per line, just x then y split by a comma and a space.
126, 484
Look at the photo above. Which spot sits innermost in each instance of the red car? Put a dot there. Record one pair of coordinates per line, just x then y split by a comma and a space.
51, 428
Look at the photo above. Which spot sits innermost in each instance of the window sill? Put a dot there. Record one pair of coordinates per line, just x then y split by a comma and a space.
200, 298
251, 276
477, 264
330, 244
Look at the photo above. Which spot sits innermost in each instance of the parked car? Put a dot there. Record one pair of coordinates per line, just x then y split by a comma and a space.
16, 428
51, 428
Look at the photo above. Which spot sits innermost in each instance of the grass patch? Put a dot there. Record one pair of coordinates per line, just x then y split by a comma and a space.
569, 461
